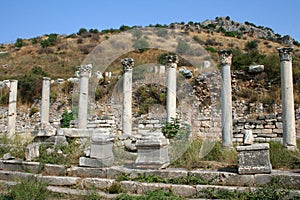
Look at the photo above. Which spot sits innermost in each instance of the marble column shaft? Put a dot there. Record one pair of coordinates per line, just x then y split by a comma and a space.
171, 86
84, 73
12, 108
288, 112
45, 100
226, 98
127, 64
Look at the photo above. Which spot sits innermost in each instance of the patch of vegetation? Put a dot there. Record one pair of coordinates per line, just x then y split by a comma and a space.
148, 95
27, 189
30, 84
251, 45
50, 41
16, 146
192, 159
170, 129
182, 47
273, 190
236, 34
141, 44
63, 154
67, 117
19, 43
157, 195
211, 49
282, 158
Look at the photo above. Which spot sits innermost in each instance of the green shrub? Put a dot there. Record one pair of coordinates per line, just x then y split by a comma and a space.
211, 49
67, 117
82, 31
141, 44
162, 32
170, 129
95, 31
45, 43
182, 47
19, 43
252, 45
221, 29
124, 28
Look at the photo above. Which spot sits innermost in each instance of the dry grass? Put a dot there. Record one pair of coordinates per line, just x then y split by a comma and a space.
60, 60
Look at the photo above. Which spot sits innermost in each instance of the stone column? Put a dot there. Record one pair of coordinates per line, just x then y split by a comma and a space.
127, 64
288, 112
226, 98
12, 108
171, 86
84, 74
45, 100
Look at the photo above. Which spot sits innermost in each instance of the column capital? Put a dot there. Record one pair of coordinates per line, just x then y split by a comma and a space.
127, 64
285, 53
172, 61
85, 70
225, 57
46, 78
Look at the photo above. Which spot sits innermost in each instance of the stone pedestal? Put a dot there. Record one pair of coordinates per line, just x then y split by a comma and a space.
254, 159
288, 112
226, 98
101, 154
152, 151
12, 108
84, 73
171, 86
127, 64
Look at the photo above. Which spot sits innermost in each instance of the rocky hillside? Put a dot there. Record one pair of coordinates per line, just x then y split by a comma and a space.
58, 55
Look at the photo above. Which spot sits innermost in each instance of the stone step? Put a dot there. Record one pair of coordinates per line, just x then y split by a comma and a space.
13, 168
100, 185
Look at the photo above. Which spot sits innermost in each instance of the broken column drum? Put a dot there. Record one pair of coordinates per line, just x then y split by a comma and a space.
226, 98
288, 112
45, 100
84, 73
127, 64
172, 61
12, 108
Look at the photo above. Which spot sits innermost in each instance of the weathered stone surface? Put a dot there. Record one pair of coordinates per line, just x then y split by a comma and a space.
54, 170
87, 172
240, 180
115, 171
168, 173
99, 183
184, 190
142, 188
60, 180
94, 162
254, 159
152, 151
74, 132
7, 175
129, 186
32, 151
18, 165
248, 137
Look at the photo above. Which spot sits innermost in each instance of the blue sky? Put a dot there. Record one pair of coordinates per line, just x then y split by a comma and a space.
31, 18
